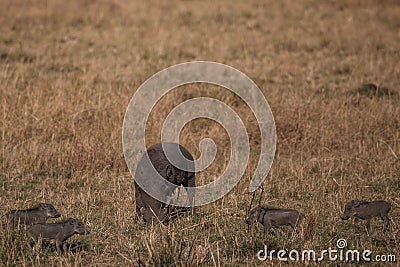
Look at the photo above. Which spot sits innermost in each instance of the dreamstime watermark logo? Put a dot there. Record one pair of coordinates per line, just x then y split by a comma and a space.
340, 253
153, 89
341, 243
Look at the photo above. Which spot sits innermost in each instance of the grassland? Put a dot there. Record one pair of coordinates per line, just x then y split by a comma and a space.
69, 68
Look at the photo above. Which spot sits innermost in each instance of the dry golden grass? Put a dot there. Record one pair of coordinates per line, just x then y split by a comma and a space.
69, 68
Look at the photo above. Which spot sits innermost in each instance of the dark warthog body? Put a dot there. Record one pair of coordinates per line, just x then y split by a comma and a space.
272, 217
39, 214
59, 232
366, 210
148, 208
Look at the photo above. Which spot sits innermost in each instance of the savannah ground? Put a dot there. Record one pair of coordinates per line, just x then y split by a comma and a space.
69, 68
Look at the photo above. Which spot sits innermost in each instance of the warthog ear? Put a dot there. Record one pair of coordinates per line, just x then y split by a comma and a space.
356, 203
42, 205
256, 210
71, 220
261, 207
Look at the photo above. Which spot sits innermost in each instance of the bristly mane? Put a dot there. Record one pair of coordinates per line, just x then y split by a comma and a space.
265, 207
33, 208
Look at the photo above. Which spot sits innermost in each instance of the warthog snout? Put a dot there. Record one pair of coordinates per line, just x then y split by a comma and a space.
253, 215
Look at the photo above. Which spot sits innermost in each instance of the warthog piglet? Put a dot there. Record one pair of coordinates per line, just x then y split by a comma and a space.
366, 210
31, 216
59, 232
272, 217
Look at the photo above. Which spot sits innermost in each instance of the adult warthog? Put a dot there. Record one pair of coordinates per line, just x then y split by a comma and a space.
153, 162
